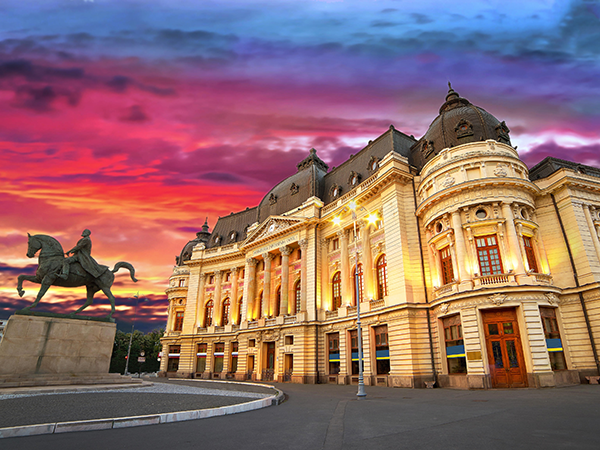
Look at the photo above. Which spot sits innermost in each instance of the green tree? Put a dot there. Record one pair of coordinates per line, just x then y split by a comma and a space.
148, 343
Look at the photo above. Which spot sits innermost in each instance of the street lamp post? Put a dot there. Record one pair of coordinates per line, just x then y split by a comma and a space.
361, 381
136, 296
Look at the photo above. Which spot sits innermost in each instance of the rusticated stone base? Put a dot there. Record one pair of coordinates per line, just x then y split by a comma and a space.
49, 350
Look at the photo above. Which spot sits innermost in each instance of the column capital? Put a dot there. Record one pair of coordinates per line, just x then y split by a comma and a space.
251, 261
202, 277
286, 250
303, 243
218, 274
234, 270
267, 257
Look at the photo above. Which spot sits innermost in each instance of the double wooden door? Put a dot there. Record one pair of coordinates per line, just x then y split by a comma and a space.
504, 349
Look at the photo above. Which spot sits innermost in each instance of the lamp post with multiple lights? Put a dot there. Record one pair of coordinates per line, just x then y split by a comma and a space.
371, 218
136, 296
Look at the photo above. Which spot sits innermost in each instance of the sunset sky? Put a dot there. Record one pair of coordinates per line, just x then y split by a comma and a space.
139, 119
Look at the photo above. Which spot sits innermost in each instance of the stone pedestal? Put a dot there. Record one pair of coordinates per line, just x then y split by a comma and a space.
49, 350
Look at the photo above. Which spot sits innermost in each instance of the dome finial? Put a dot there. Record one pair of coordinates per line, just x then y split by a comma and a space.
205, 226
452, 94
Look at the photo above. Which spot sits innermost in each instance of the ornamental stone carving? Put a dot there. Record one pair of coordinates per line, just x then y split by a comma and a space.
552, 298
303, 243
498, 299
444, 308
448, 181
500, 170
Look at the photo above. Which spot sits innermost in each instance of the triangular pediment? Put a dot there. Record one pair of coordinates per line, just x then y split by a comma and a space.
272, 227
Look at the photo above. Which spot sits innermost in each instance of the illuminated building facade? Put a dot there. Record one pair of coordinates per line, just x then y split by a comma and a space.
473, 271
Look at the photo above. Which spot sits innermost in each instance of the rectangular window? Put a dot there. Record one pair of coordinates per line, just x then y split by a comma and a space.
335, 244
219, 354
182, 282
201, 358
334, 353
455, 345
488, 254
251, 342
553, 341
178, 326
447, 270
354, 351
174, 353
234, 357
289, 340
530, 254
382, 349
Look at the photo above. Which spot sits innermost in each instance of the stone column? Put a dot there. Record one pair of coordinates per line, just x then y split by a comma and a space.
345, 260
200, 304
325, 301
217, 307
515, 253
367, 262
461, 250
250, 290
284, 309
590, 222
170, 315
234, 312
303, 273
268, 302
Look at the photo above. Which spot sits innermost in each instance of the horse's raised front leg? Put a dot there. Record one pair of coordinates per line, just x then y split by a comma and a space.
21, 278
46, 283
111, 297
91, 290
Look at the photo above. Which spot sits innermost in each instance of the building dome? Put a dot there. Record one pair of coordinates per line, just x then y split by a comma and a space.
459, 122
201, 237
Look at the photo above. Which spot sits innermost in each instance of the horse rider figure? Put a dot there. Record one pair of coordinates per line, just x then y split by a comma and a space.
82, 254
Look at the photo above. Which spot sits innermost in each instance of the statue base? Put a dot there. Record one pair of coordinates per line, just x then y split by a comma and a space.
28, 312
46, 351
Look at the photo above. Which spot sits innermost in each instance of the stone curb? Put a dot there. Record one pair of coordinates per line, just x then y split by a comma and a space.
135, 421
278, 399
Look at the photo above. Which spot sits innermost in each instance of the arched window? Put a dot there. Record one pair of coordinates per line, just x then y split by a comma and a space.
382, 289
240, 310
361, 289
277, 302
226, 308
336, 291
297, 297
208, 313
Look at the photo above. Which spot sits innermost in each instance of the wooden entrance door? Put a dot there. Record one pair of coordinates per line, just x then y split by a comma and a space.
269, 370
505, 353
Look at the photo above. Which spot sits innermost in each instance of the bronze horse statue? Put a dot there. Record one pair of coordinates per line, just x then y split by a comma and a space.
50, 263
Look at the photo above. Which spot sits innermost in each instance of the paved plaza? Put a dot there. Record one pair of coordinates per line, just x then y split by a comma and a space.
330, 417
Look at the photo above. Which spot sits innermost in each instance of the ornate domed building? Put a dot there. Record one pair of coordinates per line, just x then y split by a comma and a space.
462, 268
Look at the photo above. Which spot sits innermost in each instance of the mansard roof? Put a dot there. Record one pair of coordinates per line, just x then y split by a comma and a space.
232, 228
364, 163
549, 165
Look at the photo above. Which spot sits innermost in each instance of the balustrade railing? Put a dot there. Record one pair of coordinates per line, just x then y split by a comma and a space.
377, 304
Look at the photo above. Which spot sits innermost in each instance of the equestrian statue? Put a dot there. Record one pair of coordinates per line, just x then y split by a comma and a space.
54, 269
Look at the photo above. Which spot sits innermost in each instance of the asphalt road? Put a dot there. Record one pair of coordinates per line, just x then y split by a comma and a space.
330, 417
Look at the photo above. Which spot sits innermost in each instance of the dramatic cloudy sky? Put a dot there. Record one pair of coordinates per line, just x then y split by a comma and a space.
139, 119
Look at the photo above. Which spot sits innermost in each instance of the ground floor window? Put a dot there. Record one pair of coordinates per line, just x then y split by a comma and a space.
219, 354
174, 353
553, 341
201, 358
334, 353
234, 357
382, 349
354, 351
455, 346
